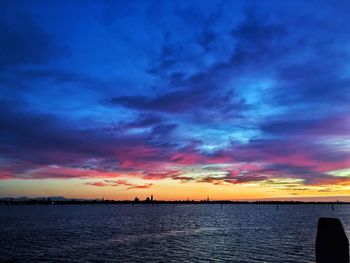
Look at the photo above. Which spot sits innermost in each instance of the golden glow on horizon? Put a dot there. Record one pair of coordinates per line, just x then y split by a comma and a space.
169, 189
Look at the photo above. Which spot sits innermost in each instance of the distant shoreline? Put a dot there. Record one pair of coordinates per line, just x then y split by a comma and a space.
161, 202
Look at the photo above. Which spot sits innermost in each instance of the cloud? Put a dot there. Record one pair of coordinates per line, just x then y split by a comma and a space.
156, 175
179, 101
96, 184
23, 41
129, 186
199, 98
54, 149
257, 41
144, 186
41, 133
34, 140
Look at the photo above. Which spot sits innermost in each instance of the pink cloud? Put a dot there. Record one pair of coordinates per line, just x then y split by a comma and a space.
66, 173
97, 183
155, 175
120, 183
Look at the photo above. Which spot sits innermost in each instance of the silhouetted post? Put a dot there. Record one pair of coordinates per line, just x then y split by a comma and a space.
221, 205
332, 245
276, 206
332, 207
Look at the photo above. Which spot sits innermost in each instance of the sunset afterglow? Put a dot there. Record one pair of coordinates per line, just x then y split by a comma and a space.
235, 100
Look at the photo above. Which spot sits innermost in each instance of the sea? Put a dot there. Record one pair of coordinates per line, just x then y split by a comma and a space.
163, 233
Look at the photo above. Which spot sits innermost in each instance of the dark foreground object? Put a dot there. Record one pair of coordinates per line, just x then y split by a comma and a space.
332, 245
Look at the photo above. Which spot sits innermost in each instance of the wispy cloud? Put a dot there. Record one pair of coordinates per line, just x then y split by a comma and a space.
122, 183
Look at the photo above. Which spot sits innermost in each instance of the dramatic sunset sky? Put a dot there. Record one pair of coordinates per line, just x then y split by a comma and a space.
179, 99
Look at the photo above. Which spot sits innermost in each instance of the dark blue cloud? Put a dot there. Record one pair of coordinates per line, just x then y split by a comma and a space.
23, 41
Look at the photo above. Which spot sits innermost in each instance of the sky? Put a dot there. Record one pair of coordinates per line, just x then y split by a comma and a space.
234, 100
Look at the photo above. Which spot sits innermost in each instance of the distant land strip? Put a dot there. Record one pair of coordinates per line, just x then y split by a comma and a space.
48, 201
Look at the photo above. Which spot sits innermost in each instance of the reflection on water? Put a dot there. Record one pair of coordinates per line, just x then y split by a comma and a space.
186, 233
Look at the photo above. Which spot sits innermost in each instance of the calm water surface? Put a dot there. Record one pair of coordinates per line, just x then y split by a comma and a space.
186, 233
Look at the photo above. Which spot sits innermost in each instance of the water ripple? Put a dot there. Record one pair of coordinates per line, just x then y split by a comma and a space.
191, 233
